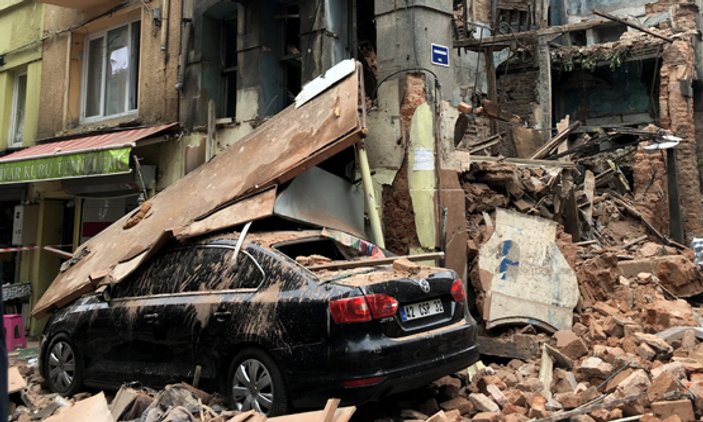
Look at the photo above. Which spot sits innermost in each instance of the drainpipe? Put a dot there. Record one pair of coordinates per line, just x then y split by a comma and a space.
371, 205
184, 54
165, 6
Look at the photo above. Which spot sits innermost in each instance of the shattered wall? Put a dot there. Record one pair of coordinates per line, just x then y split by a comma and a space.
676, 113
517, 94
650, 189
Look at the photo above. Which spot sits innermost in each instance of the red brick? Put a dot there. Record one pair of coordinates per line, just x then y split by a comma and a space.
661, 385
570, 344
683, 408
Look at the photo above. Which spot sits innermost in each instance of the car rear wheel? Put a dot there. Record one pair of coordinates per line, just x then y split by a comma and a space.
255, 382
63, 367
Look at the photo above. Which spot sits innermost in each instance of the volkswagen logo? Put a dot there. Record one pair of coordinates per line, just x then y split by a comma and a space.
424, 285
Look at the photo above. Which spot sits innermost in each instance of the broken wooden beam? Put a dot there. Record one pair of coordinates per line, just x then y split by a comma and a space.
374, 262
631, 25
555, 141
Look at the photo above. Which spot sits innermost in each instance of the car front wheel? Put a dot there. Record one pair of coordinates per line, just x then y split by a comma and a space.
255, 382
63, 366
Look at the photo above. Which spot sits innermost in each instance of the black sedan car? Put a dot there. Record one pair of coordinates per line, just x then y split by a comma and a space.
266, 324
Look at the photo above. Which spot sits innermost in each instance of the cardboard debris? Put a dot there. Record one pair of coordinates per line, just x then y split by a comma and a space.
525, 277
15, 381
93, 409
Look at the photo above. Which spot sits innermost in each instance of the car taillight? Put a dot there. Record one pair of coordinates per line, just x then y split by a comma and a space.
382, 306
350, 309
362, 308
362, 382
457, 291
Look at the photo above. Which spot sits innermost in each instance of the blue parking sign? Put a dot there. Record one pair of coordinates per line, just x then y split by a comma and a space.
440, 55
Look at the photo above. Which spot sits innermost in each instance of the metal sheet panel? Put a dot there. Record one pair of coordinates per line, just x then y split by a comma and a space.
280, 149
323, 199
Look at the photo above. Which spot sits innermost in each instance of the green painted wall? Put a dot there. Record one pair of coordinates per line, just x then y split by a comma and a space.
20, 43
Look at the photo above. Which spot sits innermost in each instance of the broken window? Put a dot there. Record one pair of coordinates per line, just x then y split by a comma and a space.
609, 93
365, 44
291, 57
212, 268
161, 275
326, 248
111, 68
192, 269
220, 31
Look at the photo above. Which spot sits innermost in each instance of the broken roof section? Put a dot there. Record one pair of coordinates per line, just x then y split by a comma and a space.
284, 147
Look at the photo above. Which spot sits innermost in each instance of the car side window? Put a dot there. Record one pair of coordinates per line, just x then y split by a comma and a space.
157, 276
212, 268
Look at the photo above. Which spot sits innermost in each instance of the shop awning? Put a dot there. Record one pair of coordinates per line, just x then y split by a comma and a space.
86, 156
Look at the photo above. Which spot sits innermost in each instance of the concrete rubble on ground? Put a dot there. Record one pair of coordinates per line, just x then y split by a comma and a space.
174, 403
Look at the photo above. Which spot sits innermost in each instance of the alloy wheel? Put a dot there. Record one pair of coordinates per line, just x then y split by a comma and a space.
62, 366
252, 387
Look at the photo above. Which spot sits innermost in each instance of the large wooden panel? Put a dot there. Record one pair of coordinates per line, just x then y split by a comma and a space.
282, 148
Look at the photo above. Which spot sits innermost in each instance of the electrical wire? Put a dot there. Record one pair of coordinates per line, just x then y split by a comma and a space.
409, 69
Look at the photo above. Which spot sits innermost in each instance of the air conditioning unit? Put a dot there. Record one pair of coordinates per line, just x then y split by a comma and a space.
24, 225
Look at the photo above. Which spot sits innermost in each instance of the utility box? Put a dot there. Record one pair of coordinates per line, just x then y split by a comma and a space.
24, 225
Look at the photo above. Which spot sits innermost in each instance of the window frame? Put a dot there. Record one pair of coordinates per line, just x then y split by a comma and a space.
84, 73
13, 112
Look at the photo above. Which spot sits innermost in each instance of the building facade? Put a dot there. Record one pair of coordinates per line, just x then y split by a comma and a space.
136, 94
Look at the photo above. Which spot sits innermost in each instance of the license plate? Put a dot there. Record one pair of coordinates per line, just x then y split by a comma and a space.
421, 310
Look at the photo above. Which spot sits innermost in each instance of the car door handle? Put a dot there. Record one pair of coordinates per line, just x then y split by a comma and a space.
150, 318
222, 315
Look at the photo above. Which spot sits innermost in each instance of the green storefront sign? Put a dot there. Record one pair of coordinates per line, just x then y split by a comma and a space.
83, 164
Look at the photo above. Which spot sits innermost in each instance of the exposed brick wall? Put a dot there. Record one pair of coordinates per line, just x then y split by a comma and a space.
676, 114
517, 94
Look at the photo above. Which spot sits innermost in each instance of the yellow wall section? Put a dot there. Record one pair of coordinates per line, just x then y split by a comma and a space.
421, 175
22, 23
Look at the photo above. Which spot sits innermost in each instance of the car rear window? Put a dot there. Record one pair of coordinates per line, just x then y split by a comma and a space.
317, 250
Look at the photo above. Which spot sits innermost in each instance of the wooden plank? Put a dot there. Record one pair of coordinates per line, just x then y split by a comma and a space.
243, 417
15, 381
472, 43
374, 262
123, 399
329, 410
631, 25
344, 414
464, 159
340, 415
555, 141
546, 373
249, 209
292, 139
93, 409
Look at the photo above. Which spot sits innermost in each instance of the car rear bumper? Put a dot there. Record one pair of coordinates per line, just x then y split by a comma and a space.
404, 364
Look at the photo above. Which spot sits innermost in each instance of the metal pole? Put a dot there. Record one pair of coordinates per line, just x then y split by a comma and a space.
371, 206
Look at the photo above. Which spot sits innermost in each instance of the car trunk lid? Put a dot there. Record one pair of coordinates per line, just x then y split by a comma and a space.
425, 298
